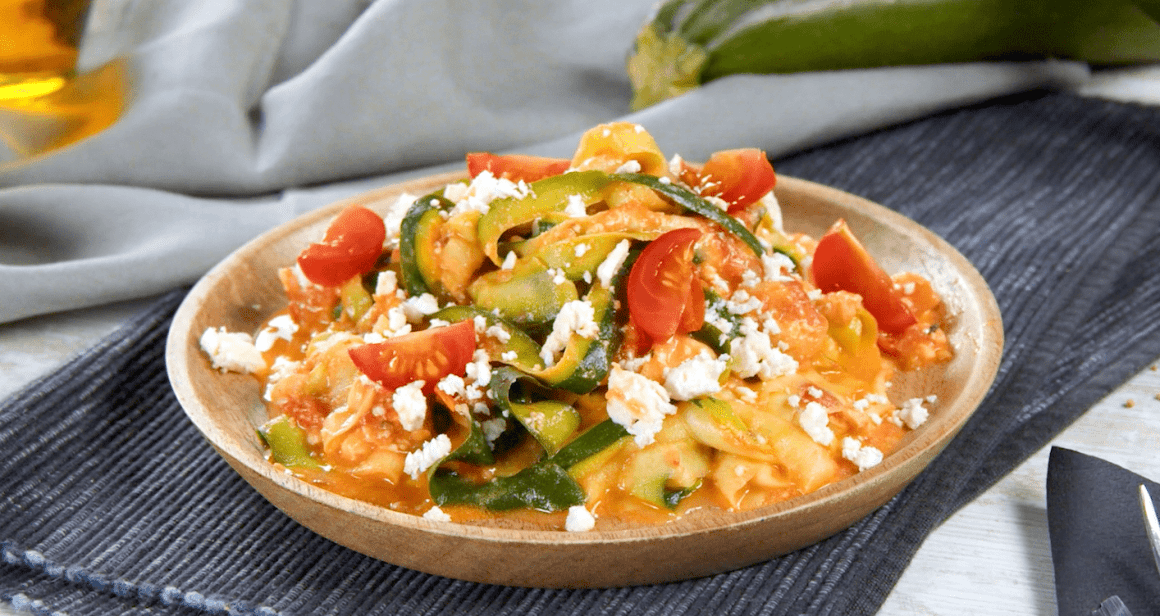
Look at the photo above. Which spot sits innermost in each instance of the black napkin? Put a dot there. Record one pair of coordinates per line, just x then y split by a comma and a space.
1099, 545
112, 503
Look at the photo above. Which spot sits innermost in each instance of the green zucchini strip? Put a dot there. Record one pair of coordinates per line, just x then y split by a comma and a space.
690, 201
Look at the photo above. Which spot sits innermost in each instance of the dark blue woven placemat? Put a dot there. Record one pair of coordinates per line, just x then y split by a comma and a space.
112, 503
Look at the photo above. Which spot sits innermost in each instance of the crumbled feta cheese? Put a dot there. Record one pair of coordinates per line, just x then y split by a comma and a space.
452, 385
722, 204
815, 421
386, 283
415, 308
695, 377
485, 188
499, 333
612, 263
742, 302
417, 462
433, 323
863, 456
754, 355
775, 265
749, 279
576, 207
637, 403
575, 317
396, 322
493, 428
793, 400
746, 394
479, 370
579, 520
913, 413
232, 351
373, 338
411, 405
281, 327
435, 514
814, 392
772, 209
509, 261
580, 250
508, 356
630, 166
281, 369
558, 277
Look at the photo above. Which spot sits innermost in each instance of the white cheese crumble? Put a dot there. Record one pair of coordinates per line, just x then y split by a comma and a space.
415, 308
742, 302
629, 166
281, 327
695, 377
612, 263
753, 355
579, 519
575, 317
386, 283
393, 219
863, 456
913, 413
772, 209
509, 356
396, 323
637, 403
430, 453
484, 189
493, 428
435, 514
509, 261
774, 266
411, 405
232, 351
499, 333
576, 207
815, 421
479, 370
580, 250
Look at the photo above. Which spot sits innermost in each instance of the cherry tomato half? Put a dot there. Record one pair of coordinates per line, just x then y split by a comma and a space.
842, 263
352, 245
516, 167
740, 177
664, 295
427, 355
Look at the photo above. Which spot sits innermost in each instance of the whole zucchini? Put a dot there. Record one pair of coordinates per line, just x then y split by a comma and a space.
690, 42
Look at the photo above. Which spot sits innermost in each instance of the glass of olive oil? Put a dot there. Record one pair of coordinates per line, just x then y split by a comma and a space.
44, 102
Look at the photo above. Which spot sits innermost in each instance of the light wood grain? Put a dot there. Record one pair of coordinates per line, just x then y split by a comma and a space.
243, 290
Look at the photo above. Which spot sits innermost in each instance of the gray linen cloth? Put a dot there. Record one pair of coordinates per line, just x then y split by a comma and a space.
244, 113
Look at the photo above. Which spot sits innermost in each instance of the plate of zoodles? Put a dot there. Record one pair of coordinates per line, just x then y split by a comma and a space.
616, 368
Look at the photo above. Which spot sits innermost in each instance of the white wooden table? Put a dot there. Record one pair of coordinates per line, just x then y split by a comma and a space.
991, 557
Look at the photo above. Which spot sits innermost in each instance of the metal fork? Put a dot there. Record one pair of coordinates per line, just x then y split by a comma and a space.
1151, 524
1113, 606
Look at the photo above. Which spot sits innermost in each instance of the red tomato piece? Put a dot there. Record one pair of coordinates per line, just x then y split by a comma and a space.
427, 355
740, 177
516, 167
664, 295
842, 263
352, 245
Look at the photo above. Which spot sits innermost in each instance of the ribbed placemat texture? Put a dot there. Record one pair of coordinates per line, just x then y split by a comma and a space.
112, 503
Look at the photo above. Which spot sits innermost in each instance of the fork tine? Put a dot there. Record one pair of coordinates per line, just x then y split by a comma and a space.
1150, 523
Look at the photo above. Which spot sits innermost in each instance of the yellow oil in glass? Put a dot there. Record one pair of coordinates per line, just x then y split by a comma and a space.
47, 103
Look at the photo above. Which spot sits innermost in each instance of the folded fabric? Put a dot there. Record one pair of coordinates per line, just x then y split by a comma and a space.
110, 502
1099, 545
242, 114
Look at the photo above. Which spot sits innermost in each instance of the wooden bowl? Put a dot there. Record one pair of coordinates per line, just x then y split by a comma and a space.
243, 290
